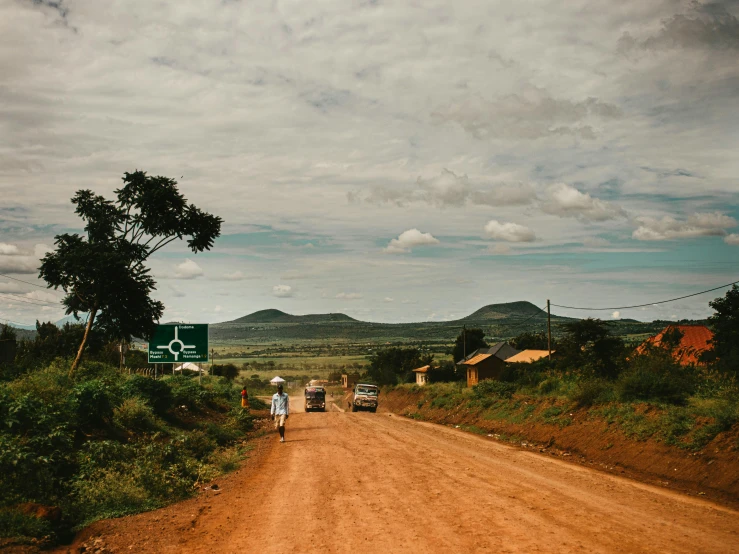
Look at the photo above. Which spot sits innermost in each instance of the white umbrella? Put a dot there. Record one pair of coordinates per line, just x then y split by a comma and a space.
277, 380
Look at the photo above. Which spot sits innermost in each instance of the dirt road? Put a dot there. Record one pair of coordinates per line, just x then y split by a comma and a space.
363, 482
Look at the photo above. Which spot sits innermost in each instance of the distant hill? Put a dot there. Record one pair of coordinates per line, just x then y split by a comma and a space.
504, 311
277, 316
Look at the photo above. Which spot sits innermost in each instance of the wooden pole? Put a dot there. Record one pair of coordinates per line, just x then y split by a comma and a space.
549, 329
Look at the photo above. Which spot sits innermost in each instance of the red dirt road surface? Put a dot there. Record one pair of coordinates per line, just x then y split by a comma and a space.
364, 482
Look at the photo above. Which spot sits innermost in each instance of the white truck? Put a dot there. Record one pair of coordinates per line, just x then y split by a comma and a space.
365, 397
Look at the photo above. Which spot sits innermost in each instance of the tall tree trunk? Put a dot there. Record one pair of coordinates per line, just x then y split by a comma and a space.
90, 320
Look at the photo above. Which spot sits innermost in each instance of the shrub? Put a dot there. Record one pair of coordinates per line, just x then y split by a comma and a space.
157, 393
591, 391
135, 414
656, 376
549, 385
491, 387
227, 459
93, 401
18, 525
199, 444
187, 392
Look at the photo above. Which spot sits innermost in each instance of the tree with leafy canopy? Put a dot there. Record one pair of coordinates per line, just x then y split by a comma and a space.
532, 341
725, 324
103, 273
467, 342
589, 346
390, 366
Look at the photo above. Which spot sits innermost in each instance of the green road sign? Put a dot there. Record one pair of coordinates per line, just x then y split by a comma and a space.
179, 343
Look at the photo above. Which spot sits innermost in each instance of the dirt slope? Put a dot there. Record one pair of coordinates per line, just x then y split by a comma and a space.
348, 482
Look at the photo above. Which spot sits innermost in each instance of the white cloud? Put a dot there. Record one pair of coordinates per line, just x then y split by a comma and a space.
8, 249
566, 201
349, 296
388, 299
616, 315
733, 238
18, 264
499, 249
697, 225
282, 291
236, 276
40, 250
218, 308
511, 232
451, 190
408, 240
188, 270
595, 242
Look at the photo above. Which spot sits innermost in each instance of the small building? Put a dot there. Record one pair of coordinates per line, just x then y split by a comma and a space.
528, 356
487, 363
422, 375
349, 380
695, 340
189, 366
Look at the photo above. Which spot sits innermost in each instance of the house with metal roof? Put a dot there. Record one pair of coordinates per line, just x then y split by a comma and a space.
487, 363
529, 356
695, 340
422, 375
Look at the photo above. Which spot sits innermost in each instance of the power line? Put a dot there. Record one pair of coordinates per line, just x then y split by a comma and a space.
28, 298
650, 303
22, 281
24, 300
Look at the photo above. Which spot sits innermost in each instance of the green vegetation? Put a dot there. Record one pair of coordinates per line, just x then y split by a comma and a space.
101, 443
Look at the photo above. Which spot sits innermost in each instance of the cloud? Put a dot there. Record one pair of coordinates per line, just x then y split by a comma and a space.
18, 264
511, 232
450, 190
595, 242
408, 240
177, 293
188, 270
499, 249
530, 114
710, 224
566, 201
348, 296
282, 291
733, 238
616, 315
8, 249
235, 276
706, 26
388, 299
40, 250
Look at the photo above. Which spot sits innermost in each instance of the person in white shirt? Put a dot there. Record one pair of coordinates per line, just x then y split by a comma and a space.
280, 410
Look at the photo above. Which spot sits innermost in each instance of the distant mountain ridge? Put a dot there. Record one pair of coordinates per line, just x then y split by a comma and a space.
278, 316
491, 312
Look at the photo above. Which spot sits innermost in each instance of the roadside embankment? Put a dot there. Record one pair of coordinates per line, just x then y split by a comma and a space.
640, 441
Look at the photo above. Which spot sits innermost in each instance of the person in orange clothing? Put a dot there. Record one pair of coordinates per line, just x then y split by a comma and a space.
244, 398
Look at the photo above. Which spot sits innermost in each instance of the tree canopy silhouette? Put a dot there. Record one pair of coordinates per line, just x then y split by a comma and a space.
103, 273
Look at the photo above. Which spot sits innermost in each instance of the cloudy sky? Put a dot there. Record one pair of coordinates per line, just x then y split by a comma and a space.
395, 161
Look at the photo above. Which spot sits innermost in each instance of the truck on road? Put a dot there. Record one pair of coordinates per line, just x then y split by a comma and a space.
315, 399
365, 397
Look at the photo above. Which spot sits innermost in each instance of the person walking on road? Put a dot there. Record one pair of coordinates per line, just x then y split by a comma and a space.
280, 410
244, 398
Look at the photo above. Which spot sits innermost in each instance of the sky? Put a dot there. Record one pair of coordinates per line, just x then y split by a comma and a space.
394, 161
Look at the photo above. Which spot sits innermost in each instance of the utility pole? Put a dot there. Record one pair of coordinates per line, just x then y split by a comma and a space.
549, 330
464, 341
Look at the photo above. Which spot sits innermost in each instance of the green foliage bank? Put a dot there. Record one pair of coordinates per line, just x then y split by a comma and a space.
101, 443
